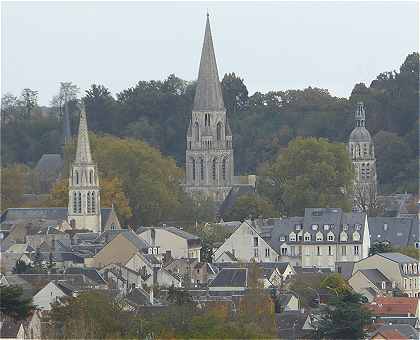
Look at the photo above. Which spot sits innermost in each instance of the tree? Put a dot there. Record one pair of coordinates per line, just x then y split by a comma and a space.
10, 108
250, 205
336, 283
13, 304
12, 186
178, 296
100, 107
21, 267
311, 172
344, 318
29, 99
235, 93
380, 247
67, 92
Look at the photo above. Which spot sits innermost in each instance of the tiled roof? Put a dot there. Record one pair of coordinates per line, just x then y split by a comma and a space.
394, 306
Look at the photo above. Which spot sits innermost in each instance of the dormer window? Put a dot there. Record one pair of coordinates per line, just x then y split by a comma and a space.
415, 268
298, 226
383, 285
319, 236
292, 237
345, 227
343, 236
410, 268
314, 226
356, 236
326, 227
405, 268
330, 237
282, 238
307, 237
358, 226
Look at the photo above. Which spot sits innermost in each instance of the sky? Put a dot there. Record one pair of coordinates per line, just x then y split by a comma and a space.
271, 45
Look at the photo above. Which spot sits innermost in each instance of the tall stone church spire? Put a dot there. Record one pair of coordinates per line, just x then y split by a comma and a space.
84, 209
209, 154
362, 153
208, 95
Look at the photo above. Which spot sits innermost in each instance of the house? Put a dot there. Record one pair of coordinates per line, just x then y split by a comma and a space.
396, 231
172, 241
322, 237
394, 332
11, 329
8, 261
32, 325
287, 302
119, 249
226, 256
138, 297
392, 307
229, 281
370, 283
48, 295
290, 325
401, 270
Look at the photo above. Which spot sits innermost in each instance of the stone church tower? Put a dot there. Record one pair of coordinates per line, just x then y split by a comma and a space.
84, 210
362, 153
209, 154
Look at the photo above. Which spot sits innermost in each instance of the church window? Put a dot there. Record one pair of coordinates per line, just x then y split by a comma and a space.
206, 119
76, 175
91, 176
79, 202
214, 169
93, 196
196, 132
193, 169
224, 169
202, 169
219, 131
89, 203
75, 202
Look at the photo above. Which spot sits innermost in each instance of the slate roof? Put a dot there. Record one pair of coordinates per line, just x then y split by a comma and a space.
407, 331
395, 230
139, 297
208, 94
290, 324
51, 214
398, 257
62, 257
90, 273
49, 164
360, 134
230, 277
345, 269
376, 277
234, 193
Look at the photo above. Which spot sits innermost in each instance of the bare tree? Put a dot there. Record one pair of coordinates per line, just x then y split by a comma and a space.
10, 108
68, 91
29, 100
364, 199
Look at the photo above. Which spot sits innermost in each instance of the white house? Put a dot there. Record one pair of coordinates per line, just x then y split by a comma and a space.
48, 295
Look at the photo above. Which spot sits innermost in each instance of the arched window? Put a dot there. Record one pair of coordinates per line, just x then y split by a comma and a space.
89, 210
91, 176
193, 169
76, 175
93, 197
202, 169
224, 169
79, 202
196, 132
214, 169
75, 202
219, 131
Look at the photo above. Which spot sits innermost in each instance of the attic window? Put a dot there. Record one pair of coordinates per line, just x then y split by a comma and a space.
326, 227
330, 237
298, 226
314, 226
307, 237
345, 227
282, 238
385, 226
358, 226
399, 234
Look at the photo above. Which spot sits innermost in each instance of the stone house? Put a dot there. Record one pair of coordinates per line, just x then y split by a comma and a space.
401, 270
370, 283
172, 241
322, 237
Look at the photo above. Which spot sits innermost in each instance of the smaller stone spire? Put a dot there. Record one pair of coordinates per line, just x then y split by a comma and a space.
83, 154
360, 115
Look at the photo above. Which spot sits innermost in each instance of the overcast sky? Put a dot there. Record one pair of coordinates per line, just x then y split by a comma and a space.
273, 45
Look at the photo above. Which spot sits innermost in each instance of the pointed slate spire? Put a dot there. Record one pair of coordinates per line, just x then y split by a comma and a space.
208, 95
83, 154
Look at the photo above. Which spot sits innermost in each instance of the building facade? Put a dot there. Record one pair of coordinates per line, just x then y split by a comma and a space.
84, 208
209, 154
362, 153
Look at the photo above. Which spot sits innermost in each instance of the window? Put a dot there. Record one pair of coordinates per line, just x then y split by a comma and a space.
314, 226
307, 251
319, 236
405, 283
79, 202
356, 250
93, 196
356, 236
196, 132
219, 131
326, 227
224, 169
202, 169
284, 251
300, 237
292, 237
343, 251
307, 237
330, 251
318, 251
214, 169
193, 169
298, 226
91, 176
255, 241
330, 236
358, 226
415, 268
267, 252
292, 251
76, 174
345, 227
89, 210
282, 238
383, 285
75, 210
255, 252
